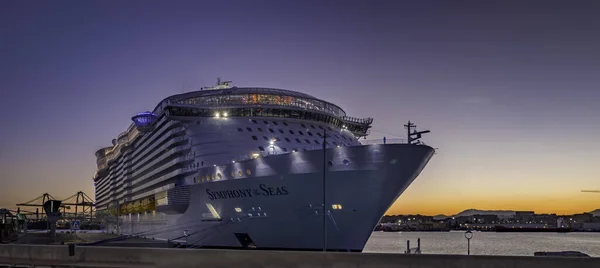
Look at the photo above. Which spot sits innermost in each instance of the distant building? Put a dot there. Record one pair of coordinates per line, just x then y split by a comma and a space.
524, 216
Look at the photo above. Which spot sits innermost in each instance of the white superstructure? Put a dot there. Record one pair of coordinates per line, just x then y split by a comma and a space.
244, 167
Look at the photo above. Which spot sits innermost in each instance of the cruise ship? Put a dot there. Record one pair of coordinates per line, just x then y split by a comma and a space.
253, 168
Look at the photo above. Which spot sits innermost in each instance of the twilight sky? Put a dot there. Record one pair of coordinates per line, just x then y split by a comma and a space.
510, 90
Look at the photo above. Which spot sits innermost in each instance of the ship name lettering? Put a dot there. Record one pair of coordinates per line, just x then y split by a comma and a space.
263, 190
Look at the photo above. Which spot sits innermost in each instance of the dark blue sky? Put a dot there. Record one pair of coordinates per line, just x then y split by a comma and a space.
510, 90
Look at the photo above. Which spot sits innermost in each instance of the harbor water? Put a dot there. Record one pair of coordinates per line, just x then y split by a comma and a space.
485, 243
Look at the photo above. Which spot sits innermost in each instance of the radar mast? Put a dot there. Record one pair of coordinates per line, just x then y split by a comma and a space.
220, 85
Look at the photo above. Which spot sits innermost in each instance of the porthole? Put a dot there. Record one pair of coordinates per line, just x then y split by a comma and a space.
346, 162
240, 173
219, 176
232, 174
330, 163
248, 172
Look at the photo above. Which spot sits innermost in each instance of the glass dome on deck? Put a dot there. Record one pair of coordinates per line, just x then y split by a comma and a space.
144, 122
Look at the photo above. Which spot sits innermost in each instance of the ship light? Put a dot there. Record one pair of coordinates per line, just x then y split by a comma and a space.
225, 114
217, 115
255, 155
272, 142
238, 210
336, 206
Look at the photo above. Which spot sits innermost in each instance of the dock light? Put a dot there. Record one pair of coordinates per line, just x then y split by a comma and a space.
225, 114
233, 161
468, 236
217, 115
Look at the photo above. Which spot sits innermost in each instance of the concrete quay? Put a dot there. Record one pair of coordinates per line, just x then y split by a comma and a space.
58, 255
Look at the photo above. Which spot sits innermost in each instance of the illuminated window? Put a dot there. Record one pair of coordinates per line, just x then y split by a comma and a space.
248, 172
240, 173
232, 174
336, 206
219, 176
238, 210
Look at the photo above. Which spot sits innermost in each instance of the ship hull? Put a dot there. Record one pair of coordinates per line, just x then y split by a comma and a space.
280, 205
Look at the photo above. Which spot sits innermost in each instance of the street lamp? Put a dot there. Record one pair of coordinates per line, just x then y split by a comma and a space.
468, 236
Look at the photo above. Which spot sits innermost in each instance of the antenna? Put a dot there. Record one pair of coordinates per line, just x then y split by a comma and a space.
410, 134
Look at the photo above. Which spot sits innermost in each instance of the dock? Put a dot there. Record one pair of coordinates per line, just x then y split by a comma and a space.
86, 256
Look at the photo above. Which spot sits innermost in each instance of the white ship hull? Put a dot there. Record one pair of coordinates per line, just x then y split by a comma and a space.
280, 206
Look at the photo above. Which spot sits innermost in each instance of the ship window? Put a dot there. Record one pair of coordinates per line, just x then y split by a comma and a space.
254, 121
284, 149
288, 140
248, 172
295, 149
298, 140
326, 143
261, 148
320, 127
291, 132
312, 126
281, 131
219, 176
275, 123
272, 131
259, 129
240, 173
307, 141
329, 128
266, 123
254, 138
304, 126
249, 129
202, 163
265, 138
317, 142
285, 124
309, 133
300, 132
319, 134
232, 174
213, 177
277, 139
335, 143
240, 129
